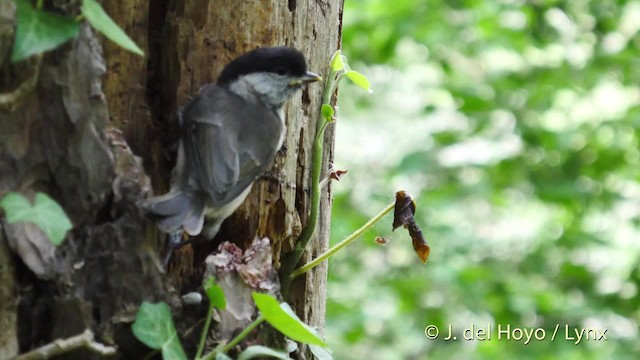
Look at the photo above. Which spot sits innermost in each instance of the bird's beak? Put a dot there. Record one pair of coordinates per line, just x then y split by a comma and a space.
309, 77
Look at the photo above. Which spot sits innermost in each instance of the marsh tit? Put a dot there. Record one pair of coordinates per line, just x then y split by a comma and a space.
231, 131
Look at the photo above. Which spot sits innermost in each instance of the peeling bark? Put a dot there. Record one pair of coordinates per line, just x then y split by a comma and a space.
58, 141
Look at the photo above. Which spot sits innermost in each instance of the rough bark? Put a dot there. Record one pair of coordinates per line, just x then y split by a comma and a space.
78, 135
8, 305
57, 141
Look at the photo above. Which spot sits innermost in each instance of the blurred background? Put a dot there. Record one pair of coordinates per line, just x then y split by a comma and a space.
515, 125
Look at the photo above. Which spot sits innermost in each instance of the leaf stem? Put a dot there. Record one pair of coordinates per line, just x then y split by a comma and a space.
259, 320
205, 331
355, 235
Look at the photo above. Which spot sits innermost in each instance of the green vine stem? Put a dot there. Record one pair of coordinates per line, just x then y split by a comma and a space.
236, 340
259, 320
205, 331
348, 240
292, 258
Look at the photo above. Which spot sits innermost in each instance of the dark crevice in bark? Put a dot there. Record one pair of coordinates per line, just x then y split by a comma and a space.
157, 19
104, 213
302, 190
160, 97
34, 298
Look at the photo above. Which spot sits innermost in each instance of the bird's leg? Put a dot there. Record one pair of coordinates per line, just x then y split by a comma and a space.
175, 242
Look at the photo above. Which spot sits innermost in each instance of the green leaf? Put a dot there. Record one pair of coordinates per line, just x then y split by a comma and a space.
359, 80
102, 22
39, 31
282, 317
215, 294
45, 213
154, 328
321, 353
327, 112
337, 62
222, 356
258, 351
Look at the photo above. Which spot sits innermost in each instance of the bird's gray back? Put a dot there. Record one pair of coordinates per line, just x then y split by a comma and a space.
229, 142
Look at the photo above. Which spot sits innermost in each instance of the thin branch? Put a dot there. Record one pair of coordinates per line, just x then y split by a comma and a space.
11, 100
62, 346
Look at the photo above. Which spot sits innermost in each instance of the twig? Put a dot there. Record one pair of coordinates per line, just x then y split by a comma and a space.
11, 100
61, 346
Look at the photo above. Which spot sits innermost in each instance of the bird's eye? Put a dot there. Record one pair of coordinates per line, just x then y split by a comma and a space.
280, 70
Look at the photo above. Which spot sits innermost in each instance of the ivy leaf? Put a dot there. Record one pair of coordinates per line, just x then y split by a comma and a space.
337, 61
259, 351
99, 19
154, 328
359, 80
215, 294
45, 213
39, 31
327, 112
282, 317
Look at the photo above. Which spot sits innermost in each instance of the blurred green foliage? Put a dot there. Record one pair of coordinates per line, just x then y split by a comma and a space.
515, 124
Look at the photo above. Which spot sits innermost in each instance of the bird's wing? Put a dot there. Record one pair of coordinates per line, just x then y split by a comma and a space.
228, 142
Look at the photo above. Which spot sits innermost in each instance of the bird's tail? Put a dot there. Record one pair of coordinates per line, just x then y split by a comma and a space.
176, 211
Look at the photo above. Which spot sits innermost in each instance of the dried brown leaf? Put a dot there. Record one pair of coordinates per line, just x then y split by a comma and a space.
382, 240
403, 215
404, 210
337, 174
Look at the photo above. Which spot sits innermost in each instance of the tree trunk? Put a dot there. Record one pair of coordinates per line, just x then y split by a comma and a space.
99, 122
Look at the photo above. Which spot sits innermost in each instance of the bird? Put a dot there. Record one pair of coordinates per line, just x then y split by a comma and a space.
231, 131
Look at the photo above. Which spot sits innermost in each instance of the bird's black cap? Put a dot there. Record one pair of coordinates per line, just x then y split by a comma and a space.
280, 60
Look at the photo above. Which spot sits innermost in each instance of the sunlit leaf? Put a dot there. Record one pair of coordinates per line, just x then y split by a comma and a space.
337, 62
154, 328
39, 31
45, 213
99, 19
282, 317
359, 80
